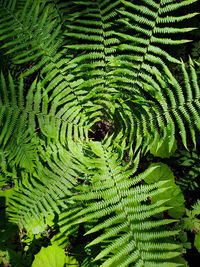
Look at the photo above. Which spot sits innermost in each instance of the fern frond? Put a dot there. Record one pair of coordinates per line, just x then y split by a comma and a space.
29, 38
173, 109
96, 60
96, 40
33, 34
41, 194
120, 202
27, 116
41, 43
145, 23
178, 104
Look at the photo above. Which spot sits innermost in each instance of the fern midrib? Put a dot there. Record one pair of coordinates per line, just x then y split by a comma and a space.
149, 42
122, 205
104, 51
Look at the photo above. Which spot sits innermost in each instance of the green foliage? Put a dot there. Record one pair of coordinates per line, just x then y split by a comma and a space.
10, 249
67, 68
173, 196
197, 241
4, 257
191, 222
162, 150
188, 163
71, 261
124, 211
53, 256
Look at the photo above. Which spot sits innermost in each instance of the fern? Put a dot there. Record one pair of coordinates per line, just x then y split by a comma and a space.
124, 212
74, 64
141, 47
178, 105
39, 114
141, 56
23, 29
41, 194
188, 161
15, 138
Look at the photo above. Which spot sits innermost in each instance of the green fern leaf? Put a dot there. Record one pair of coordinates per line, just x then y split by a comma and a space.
116, 197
